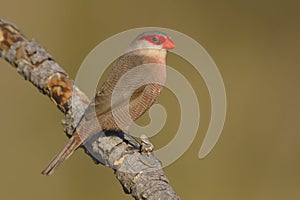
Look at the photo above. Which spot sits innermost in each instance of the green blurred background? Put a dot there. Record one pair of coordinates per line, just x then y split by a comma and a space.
256, 46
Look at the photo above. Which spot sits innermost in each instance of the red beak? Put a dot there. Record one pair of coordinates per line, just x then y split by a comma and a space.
168, 44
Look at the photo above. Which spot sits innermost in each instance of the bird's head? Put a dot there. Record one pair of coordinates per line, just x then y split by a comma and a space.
152, 40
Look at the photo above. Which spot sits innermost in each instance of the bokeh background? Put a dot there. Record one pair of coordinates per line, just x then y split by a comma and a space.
255, 45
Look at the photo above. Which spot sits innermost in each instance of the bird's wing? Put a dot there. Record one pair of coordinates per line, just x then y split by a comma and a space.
139, 102
103, 104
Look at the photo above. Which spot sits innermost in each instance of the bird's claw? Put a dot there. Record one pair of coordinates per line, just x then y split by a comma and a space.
146, 146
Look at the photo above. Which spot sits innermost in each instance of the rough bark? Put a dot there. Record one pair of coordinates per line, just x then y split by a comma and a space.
140, 173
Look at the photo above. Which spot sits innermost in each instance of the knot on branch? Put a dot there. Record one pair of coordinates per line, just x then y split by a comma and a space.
59, 88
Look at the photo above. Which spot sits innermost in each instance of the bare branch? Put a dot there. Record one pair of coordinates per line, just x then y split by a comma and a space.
140, 173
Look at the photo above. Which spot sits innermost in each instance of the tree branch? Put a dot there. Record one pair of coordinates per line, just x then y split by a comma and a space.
140, 173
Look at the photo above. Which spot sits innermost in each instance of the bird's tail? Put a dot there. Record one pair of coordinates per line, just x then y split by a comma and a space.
73, 143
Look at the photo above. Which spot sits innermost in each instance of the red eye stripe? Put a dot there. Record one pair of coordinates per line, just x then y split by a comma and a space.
161, 39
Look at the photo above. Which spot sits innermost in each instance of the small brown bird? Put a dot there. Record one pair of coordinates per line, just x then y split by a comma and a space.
149, 48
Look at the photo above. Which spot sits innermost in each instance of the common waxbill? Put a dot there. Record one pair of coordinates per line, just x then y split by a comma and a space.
147, 48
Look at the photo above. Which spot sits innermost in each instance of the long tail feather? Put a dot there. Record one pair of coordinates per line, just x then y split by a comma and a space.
73, 143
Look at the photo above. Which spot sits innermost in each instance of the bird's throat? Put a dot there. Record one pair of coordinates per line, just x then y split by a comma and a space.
153, 56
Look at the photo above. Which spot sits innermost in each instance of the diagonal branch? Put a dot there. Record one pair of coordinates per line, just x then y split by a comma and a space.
140, 173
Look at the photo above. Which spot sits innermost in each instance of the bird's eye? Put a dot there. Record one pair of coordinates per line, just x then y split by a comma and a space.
155, 39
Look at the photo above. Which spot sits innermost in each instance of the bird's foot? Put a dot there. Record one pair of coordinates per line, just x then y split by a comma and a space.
146, 146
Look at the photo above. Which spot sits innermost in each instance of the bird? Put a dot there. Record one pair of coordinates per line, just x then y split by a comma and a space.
106, 110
